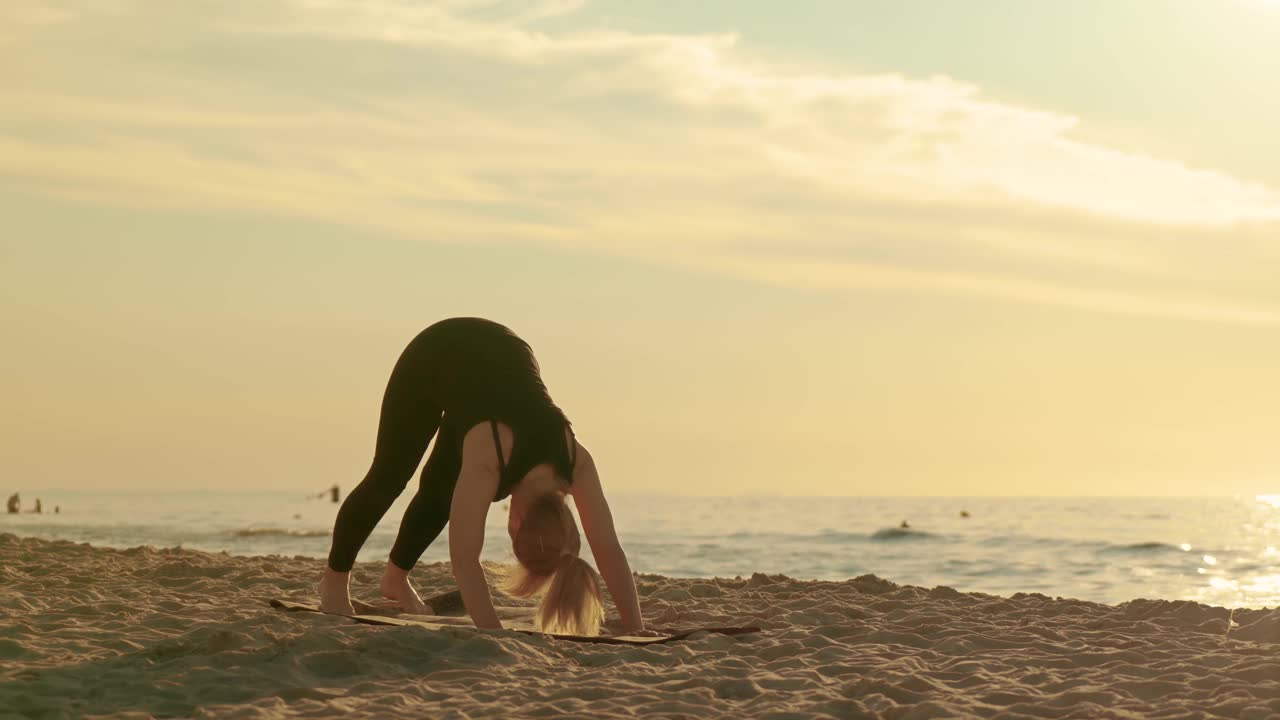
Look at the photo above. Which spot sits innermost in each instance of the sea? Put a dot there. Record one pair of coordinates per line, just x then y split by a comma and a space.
1216, 550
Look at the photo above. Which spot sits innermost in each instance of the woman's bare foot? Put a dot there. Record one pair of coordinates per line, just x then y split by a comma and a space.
395, 586
335, 592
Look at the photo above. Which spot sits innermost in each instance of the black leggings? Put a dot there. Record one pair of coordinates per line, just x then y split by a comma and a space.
410, 417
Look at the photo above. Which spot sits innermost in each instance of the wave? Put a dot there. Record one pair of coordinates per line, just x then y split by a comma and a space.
837, 536
1141, 547
897, 533
822, 536
279, 532
1094, 545
747, 535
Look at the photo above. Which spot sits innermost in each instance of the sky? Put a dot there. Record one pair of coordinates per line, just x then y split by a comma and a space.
823, 247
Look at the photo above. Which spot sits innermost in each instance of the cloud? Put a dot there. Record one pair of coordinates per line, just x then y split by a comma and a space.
471, 121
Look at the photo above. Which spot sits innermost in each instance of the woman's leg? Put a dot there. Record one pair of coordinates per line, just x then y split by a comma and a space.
428, 512
425, 517
408, 420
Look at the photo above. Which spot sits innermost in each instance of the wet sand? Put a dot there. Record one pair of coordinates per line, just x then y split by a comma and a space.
88, 631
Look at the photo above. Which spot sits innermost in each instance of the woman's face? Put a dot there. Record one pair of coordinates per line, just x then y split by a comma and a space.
540, 479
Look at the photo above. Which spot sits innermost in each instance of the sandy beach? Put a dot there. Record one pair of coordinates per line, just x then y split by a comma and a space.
88, 631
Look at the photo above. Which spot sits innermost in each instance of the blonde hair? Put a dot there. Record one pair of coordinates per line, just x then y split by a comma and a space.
546, 548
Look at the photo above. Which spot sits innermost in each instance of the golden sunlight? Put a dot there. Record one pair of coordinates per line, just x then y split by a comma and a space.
1272, 500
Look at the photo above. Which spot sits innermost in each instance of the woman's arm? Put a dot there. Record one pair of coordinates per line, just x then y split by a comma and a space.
477, 484
597, 524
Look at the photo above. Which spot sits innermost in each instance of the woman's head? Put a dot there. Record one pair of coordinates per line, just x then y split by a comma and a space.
546, 546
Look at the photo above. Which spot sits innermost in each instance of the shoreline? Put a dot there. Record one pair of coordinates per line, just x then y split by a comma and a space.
210, 542
1219, 554
174, 632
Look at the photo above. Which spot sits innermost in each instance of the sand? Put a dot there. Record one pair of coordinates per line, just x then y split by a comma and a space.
88, 631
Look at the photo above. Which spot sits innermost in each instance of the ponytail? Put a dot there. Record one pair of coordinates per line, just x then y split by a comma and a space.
546, 547
572, 603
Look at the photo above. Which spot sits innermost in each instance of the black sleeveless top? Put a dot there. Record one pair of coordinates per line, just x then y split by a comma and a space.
484, 373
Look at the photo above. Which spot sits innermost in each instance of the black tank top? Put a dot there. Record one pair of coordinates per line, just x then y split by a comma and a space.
486, 373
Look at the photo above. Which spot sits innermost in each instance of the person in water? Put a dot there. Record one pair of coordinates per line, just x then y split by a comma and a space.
14, 505
476, 387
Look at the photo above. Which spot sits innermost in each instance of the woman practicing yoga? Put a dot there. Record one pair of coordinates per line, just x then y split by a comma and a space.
476, 387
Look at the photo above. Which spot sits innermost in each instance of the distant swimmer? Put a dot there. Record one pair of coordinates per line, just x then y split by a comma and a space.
39, 508
475, 387
905, 525
57, 509
964, 513
14, 504
331, 493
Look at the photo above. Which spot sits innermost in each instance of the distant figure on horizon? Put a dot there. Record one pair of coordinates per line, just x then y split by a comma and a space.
475, 386
332, 493
14, 504
905, 525
39, 507
57, 509
964, 513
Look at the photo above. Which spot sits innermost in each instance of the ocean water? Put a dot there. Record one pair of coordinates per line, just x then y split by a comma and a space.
1221, 551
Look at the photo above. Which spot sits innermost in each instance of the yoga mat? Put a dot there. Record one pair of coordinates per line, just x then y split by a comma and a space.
434, 622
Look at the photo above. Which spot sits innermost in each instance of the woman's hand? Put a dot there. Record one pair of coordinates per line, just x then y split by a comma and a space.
642, 633
475, 594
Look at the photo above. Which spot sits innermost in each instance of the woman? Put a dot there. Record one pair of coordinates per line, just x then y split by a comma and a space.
476, 387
